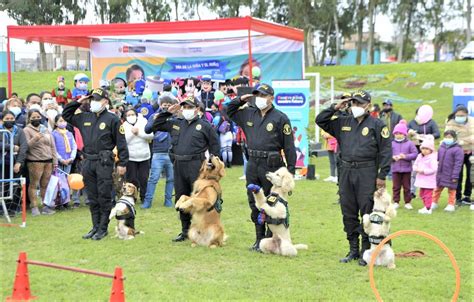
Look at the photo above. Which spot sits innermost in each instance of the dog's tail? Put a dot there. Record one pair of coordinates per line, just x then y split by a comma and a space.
301, 246
139, 232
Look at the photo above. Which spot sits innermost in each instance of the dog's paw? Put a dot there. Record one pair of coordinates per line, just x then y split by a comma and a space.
253, 188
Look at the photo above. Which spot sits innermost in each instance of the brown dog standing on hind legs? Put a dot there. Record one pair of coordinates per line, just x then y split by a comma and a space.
205, 205
274, 212
124, 212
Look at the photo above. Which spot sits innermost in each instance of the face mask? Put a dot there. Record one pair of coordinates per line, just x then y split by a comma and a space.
448, 141
357, 111
8, 124
460, 119
261, 103
82, 86
15, 110
399, 139
35, 107
36, 122
96, 106
417, 120
62, 125
132, 119
188, 114
51, 113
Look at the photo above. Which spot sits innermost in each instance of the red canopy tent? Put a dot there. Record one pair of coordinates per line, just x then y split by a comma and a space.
83, 35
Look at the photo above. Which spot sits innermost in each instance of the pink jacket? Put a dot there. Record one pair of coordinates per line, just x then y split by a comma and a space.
429, 165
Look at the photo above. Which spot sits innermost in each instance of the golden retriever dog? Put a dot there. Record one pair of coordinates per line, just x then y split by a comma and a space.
377, 226
274, 211
205, 205
124, 212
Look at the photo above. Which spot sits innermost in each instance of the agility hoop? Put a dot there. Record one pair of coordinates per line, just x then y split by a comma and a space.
423, 234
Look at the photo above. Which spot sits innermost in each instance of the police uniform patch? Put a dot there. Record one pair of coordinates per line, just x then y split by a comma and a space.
122, 129
286, 129
346, 128
176, 127
334, 117
250, 124
198, 127
385, 133
87, 123
365, 131
102, 126
272, 199
144, 111
269, 127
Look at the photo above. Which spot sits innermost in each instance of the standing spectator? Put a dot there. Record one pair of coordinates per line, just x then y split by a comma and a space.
242, 142
66, 148
41, 157
390, 117
20, 148
375, 112
425, 166
450, 161
331, 147
15, 106
403, 153
463, 125
226, 137
161, 159
138, 165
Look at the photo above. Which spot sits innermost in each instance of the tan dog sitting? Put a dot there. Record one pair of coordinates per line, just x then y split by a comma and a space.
274, 211
205, 205
377, 226
124, 212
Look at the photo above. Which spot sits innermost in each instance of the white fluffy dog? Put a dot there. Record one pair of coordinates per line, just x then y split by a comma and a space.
274, 211
377, 226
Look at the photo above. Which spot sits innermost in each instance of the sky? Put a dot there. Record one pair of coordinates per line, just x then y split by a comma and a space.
383, 27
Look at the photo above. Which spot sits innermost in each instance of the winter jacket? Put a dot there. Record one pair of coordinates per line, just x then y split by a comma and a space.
138, 145
61, 145
408, 148
450, 161
19, 139
161, 140
40, 148
391, 119
465, 133
429, 127
429, 165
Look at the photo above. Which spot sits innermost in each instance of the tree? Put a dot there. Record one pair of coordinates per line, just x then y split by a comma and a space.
75, 12
119, 11
436, 14
101, 9
361, 14
370, 42
468, 21
155, 10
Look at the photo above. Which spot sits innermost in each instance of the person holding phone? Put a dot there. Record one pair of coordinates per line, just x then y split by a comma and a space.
101, 132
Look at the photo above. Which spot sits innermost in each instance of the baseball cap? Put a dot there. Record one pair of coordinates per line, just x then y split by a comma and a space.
99, 94
361, 96
190, 100
387, 102
263, 89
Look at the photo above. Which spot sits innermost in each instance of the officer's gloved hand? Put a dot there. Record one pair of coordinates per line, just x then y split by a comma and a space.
253, 188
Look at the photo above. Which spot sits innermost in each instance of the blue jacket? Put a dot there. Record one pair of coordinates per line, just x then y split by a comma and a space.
429, 128
161, 141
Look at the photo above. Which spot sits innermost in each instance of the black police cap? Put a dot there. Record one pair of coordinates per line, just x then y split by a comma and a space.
99, 94
190, 100
263, 89
361, 96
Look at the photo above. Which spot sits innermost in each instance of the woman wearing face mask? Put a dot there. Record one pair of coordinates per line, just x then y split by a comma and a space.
19, 151
138, 166
460, 122
15, 106
40, 159
423, 124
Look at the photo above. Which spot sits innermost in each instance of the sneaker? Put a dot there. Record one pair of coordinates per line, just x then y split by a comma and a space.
424, 211
396, 205
471, 207
35, 211
466, 201
76, 205
434, 206
328, 179
334, 179
168, 204
450, 208
408, 206
47, 211
413, 195
242, 177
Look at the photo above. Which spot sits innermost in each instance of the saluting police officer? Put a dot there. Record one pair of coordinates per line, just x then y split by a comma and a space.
365, 157
268, 132
191, 137
101, 131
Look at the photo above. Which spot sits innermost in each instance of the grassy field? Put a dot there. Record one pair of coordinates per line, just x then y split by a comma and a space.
157, 269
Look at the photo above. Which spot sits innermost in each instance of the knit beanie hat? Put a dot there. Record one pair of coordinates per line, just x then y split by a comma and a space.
401, 128
428, 142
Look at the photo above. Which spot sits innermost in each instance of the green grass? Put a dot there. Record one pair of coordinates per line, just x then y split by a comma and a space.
157, 269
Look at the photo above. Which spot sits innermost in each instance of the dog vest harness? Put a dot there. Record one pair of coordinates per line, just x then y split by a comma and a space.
272, 200
377, 219
219, 201
130, 216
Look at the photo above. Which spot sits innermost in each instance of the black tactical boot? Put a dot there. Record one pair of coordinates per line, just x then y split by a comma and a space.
365, 246
181, 237
99, 235
90, 234
259, 235
353, 251
185, 224
95, 226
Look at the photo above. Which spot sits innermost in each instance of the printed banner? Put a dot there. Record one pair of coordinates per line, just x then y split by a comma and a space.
463, 94
292, 97
278, 58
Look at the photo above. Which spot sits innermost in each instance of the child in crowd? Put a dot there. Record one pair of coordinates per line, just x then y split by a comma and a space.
403, 153
66, 148
450, 161
425, 166
331, 147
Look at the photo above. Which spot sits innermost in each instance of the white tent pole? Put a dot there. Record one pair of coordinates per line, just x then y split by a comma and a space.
332, 90
317, 77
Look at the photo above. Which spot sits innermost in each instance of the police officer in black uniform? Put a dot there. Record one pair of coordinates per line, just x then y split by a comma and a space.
365, 157
101, 132
268, 132
191, 137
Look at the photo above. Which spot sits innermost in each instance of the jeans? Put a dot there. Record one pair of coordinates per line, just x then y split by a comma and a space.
160, 162
332, 163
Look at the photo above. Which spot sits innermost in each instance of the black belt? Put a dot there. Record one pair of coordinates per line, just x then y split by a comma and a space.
357, 164
258, 153
201, 156
91, 156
